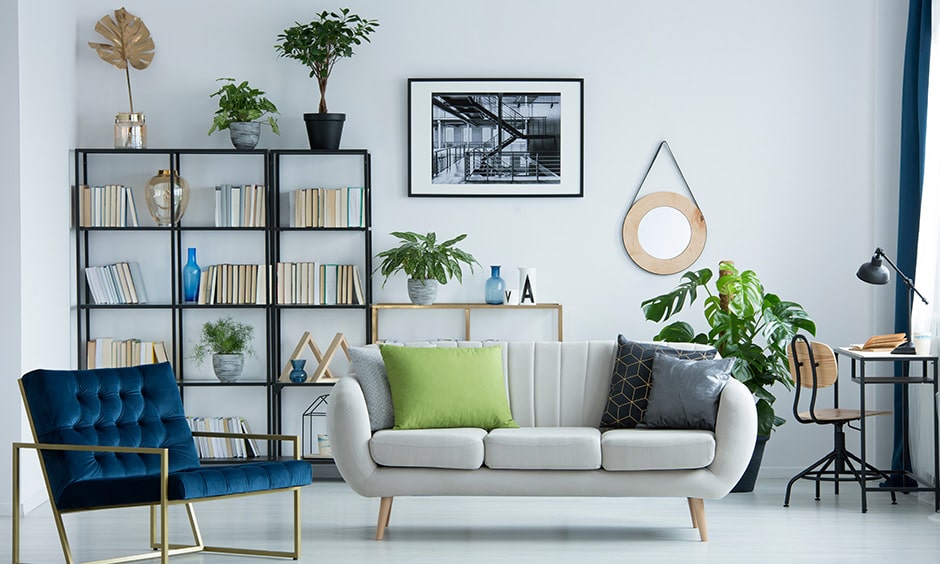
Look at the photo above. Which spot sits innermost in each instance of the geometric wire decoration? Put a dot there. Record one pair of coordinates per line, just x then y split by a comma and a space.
314, 440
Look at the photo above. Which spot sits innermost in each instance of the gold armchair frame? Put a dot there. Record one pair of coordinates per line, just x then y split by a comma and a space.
161, 546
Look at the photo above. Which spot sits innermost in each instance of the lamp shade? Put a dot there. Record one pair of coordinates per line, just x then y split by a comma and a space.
874, 272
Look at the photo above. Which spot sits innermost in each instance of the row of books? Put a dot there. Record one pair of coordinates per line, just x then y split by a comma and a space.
107, 352
327, 207
118, 283
111, 205
223, 447
240, 206
324, 284
233, 284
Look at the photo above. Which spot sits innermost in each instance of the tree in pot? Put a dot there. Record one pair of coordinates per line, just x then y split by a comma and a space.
426, 262
228, 341
240, 106
318, 45
745, 322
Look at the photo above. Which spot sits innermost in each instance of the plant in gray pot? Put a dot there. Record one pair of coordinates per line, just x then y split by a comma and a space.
318, 45
240, 106
228, 341
426, 262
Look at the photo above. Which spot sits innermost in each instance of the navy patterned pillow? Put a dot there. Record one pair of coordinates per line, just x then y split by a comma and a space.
631, 380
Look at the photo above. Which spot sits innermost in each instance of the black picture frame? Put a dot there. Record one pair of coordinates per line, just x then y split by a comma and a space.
496, 137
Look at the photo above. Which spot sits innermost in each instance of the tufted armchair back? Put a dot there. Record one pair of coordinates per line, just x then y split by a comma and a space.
138, 406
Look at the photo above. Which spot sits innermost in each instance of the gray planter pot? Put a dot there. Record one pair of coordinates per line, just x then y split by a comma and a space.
245, 134
228, 367
422, 292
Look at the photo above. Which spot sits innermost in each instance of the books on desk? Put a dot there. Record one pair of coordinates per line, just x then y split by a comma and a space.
880, 343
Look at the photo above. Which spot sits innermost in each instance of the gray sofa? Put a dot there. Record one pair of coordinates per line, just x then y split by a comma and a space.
557, 392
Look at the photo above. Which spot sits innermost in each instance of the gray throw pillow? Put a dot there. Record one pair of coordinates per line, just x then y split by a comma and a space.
685, 393
369, 369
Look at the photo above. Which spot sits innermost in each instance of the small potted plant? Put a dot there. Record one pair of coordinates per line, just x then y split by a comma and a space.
426, 262
228, 341
240, 106
318, 45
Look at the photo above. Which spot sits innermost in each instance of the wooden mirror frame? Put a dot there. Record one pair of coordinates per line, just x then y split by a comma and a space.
631, 227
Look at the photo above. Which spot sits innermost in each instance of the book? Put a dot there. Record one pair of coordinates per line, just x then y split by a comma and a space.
137, 278
159, 352
250, 445
132, 220
881, 342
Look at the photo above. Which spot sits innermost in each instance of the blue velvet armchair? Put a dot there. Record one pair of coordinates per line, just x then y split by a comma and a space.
111, 438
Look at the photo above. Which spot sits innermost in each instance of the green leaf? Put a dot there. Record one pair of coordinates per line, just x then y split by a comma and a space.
665, 306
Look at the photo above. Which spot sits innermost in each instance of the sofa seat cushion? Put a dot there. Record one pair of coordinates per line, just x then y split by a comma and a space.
543, 448
657, 449
456, 448
195, 483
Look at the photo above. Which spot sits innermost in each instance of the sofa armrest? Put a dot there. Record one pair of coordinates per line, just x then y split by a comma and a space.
735, 433
347, 423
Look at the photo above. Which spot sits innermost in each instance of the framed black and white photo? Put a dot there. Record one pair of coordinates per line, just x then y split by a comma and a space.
495, 137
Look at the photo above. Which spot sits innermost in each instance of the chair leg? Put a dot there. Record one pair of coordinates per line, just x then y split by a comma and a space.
692, 513
697, 507
826, 460
385, 512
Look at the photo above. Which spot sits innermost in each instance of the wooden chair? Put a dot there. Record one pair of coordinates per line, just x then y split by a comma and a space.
112, 438
813, 366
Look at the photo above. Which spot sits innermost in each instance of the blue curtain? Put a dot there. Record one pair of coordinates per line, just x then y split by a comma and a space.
913, 132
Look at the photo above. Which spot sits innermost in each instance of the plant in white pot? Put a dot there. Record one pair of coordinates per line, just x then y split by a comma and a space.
240, 106
318, 45
228, 341
426, 262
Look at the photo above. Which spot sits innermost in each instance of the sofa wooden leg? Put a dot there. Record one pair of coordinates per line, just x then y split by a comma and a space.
385, 513
697, 509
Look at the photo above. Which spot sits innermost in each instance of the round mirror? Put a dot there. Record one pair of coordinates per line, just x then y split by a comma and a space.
664, 232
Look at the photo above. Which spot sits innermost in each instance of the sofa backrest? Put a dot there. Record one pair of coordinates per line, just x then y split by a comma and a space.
138, 406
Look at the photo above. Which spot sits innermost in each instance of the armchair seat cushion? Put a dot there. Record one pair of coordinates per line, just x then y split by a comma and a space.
195, 483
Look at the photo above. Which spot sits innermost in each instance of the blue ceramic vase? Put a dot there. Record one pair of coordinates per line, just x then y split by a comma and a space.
297, 373
191, 277
495, 287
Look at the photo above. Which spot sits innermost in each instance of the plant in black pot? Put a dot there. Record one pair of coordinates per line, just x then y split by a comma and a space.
426, 262
745, 322
240, 106
228, 341
318, 45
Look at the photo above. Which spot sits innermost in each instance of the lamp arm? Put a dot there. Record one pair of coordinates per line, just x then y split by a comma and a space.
907, 281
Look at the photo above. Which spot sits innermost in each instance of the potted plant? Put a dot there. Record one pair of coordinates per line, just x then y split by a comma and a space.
745, 322
240, 106
318, 45
228, 341
426, 262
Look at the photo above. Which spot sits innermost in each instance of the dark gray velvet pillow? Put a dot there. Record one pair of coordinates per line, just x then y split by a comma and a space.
684, 393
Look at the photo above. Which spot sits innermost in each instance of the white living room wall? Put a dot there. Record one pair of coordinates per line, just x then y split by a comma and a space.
783, 117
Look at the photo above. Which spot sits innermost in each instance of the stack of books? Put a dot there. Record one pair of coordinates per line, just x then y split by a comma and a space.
111, 205
233, 284
118, 283
240, 205
107, 352
310, 283
327, 207
223, 447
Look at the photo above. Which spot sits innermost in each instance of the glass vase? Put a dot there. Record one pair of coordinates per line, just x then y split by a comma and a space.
297, 373
130, 130
191, 273
495, 287
167, 196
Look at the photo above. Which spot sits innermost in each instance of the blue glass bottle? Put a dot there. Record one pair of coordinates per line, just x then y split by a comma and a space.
495, 287
191, 277
297, 373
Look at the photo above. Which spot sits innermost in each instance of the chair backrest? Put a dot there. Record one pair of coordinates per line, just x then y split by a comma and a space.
812, 364
138, 406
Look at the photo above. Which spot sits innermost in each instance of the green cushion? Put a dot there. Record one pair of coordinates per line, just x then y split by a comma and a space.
435, 388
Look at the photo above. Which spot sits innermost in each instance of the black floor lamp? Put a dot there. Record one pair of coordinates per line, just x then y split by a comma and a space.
874, 272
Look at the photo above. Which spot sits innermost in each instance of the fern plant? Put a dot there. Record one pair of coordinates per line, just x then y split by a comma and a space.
225, 336
421, 257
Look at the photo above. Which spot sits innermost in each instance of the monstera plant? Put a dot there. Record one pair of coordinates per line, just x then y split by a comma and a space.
130, 44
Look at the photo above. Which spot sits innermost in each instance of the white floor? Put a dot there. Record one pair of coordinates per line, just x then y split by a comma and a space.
339, 526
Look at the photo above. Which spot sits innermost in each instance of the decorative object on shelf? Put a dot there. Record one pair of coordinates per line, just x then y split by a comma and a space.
167, 195
318, 45
527, 286
875, 272
297, 372
228, 341
495, 287
130, 46
315, 441
322, 375
240, 106
664, 232
426, 262
511, 296
746, 323
191, 274
495, 137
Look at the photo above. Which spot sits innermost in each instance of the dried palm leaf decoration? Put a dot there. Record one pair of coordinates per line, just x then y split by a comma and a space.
130, 44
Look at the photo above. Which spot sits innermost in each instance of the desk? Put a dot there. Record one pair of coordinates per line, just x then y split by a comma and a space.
928, 375
467, 308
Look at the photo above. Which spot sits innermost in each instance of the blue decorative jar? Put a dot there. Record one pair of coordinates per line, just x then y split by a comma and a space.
495, 287
191, 274
297, 373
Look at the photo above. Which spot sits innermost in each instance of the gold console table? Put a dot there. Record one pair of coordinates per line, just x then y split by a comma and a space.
467, 308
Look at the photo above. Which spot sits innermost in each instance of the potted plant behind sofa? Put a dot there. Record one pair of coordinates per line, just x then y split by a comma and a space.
318, 45
426, 262
745, 322
240, 106
228, 341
